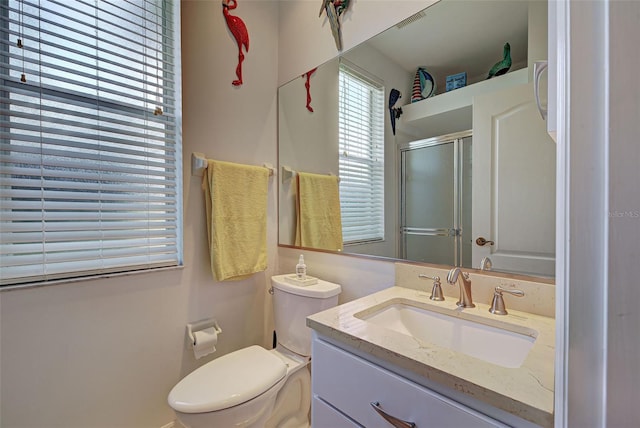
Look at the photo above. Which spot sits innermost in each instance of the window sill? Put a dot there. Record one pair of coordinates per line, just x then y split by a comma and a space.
86, 278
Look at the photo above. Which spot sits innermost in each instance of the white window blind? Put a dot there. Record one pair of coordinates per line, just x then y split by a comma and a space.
89, 134
361, 145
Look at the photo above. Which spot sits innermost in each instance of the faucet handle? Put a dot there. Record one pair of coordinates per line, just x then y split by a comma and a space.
436, 291
497, 304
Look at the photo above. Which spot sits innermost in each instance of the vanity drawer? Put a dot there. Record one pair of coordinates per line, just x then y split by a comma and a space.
351, 384
325, 416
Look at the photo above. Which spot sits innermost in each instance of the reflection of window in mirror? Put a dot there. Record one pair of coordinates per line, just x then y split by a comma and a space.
361, 155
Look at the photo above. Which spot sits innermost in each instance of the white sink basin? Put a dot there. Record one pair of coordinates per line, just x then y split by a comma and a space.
503, 344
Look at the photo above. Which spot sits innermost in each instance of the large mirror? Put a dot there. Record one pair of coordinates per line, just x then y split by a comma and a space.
468, 176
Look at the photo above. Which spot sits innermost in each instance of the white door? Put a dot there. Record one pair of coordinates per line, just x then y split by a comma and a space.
513, 189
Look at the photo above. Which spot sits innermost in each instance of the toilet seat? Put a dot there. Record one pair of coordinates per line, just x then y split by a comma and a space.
228, 381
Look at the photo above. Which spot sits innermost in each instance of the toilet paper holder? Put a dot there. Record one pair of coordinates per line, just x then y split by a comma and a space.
201, 325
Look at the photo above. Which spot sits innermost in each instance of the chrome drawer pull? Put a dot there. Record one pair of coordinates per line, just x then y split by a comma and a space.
398, 423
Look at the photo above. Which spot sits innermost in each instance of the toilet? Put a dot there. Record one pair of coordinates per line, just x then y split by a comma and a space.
255, 387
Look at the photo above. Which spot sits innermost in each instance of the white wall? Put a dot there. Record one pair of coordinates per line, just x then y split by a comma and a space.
305, 40
105, 353
585, 258
623, 347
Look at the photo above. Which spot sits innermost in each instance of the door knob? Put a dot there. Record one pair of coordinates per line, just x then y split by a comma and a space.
482, 242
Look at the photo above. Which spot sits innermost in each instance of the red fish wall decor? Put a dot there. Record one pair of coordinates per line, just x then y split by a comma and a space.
239, 31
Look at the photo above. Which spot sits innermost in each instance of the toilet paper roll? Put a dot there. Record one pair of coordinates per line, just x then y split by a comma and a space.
205, 342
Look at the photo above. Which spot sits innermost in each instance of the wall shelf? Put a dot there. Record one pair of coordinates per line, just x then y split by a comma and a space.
461, 98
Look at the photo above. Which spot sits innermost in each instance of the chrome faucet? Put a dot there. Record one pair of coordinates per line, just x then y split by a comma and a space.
465, 300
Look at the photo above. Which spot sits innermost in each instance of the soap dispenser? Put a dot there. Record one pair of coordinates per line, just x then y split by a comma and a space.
301, 269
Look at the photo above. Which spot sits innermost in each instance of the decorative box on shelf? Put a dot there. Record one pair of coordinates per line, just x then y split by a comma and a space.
456, 81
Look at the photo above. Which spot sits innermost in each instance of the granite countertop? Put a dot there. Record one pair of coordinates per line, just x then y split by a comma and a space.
526, 391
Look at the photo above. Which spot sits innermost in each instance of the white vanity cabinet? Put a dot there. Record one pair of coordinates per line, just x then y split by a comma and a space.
323, 415
344, 386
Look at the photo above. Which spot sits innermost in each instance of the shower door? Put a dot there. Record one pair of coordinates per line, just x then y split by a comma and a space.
435, 200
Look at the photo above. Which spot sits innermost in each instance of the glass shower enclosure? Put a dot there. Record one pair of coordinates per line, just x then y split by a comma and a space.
435, 200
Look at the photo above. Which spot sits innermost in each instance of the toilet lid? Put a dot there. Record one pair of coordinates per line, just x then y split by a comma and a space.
228, 381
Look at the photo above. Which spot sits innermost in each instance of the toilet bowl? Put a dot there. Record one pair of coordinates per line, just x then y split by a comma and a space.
254, 387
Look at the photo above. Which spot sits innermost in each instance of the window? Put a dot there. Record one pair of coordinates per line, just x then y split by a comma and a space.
89, 138
361, 158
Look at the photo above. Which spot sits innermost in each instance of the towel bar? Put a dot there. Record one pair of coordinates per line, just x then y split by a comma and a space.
288, 173
199, 165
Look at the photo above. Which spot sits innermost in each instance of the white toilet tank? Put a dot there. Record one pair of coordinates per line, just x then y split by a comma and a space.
292, 304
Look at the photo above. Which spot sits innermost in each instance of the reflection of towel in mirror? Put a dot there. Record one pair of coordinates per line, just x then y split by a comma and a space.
236, 205
318, 222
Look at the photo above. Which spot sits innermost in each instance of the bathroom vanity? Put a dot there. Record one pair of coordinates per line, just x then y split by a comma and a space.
348, 388
465, 367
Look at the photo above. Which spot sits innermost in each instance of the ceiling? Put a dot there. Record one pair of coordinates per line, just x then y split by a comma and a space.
452, 36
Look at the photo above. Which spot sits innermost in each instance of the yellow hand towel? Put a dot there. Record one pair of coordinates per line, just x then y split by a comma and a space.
318, 222
236, 205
